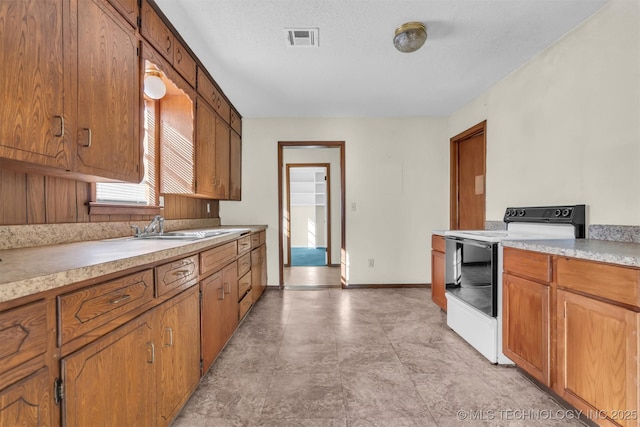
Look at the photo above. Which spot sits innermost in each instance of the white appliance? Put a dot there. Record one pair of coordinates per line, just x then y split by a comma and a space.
474, 270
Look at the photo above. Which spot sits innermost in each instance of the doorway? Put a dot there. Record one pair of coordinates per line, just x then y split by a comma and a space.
308, 195
468, 173
311, 197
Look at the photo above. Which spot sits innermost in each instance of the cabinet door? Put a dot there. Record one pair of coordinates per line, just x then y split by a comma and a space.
109, 96
235, 167
258, 271
205, 148
525, 326
212, 318
128, 9
230, 282
438, 279
32, 85
222, 160
598, 356
178, 370
156, 32
113, 379
184, 63
28, 402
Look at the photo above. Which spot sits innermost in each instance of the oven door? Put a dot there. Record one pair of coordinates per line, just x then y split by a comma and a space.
472, 273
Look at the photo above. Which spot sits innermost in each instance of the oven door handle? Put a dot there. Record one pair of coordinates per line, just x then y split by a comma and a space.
470, 242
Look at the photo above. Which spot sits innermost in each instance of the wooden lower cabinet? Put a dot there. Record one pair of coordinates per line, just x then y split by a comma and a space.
28, 402
526, 321
113, 380
598, 358
178, 353
438, 265
258, 271
219, 312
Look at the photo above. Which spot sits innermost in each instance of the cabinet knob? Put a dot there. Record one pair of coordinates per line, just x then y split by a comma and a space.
60, 132
87, 139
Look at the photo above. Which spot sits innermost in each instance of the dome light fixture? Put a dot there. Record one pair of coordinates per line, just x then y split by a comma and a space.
410, 37
154, 87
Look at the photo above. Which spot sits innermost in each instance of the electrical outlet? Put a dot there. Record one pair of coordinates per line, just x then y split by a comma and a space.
161, 201
208, 207
371, 263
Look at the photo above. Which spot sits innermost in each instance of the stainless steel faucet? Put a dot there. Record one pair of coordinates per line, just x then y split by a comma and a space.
156, 226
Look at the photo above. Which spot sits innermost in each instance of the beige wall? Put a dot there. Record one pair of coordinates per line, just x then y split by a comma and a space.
565, 128
396, 174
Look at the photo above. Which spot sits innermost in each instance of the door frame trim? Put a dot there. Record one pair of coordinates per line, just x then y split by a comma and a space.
327, 168
454, 194
343, 239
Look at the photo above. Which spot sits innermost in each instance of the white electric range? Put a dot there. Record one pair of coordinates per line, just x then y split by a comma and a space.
474, 270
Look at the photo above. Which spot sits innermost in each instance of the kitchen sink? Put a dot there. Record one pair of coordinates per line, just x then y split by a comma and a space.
185, 235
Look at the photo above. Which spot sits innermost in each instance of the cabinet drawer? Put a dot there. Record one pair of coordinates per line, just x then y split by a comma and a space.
216, 258
208, 90
23, 334
244, 284
612, 282
244, 264
245, 304
184, 63
156, 32
255, 240
176, 275
437, 243
534, 265
84, 310
244, 244
236, 122
262, 237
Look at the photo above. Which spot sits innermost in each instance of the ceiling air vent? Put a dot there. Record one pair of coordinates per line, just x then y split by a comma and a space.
302, 37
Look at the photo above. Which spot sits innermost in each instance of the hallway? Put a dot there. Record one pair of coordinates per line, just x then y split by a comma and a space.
365, 357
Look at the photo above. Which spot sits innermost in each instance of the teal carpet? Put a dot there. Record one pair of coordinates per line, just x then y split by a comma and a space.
308, 256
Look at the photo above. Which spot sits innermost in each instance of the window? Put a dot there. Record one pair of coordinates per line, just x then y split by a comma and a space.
143, 194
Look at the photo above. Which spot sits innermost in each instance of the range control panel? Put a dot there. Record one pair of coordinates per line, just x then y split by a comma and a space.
566, 214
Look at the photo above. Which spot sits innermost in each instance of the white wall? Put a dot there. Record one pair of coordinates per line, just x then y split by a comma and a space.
565, 127
301, 218
396, 174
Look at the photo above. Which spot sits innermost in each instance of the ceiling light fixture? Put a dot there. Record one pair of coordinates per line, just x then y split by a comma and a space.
410, 36
154, 87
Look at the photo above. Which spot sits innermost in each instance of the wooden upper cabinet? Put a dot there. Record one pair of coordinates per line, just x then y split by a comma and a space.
208, 90
221, 189
184, 63
205, 148
34, 121
109, 94
128, 9
156, 32
236, 122
235, 167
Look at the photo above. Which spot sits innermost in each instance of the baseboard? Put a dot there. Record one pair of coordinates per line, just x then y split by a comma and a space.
388, 285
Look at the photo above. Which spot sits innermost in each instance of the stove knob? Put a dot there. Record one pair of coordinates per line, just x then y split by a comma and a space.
565, 212
521, 212
513, 212
507, 213
557, 212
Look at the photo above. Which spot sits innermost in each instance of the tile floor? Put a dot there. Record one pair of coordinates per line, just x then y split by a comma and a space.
365, 357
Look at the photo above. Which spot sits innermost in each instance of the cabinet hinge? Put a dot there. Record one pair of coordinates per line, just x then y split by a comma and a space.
58, 391
139, 22
200, 292
201, 364
139, 3
137, 51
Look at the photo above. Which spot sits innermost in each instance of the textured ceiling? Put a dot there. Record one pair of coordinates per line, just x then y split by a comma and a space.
356, 71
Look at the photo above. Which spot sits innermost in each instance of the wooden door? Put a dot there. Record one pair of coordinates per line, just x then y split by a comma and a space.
598, 356
526, 332
32, 85
28, 402
156, 32
212, 318
235, 167
178, 348
222, 160
256, 273
128, 9
468, 171
205, 148
230, 282
113, 379
109, 96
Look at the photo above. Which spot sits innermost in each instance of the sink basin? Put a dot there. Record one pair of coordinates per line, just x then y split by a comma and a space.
185, 235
